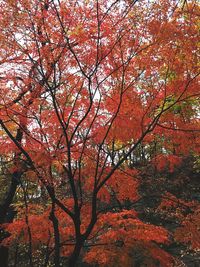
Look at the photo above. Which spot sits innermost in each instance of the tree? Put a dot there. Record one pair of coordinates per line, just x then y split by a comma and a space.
84, 86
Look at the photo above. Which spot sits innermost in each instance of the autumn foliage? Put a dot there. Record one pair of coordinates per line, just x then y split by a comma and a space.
94, 95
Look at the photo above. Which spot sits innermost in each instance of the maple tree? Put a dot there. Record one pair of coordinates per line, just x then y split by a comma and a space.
88, 90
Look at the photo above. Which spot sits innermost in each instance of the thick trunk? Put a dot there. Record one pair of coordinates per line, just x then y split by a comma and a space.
80, 239
7, 215
4, 208
75, 255
4, 251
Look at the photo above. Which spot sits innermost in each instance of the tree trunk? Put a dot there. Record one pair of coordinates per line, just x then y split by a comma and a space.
6, 216
54, 220
3, 256
4, 251
75, 255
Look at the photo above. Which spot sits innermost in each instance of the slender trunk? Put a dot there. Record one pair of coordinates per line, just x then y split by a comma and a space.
16, 256
54, 220
57, 243
47, 252
28, 227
